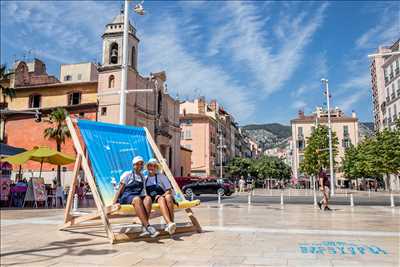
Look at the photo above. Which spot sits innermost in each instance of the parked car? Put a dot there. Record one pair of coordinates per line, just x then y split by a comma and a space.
209, 186
184, 180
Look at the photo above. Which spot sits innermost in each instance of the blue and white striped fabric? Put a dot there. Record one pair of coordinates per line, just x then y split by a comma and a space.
111, 149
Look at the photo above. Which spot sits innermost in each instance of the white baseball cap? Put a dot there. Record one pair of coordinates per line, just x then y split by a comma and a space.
137, 159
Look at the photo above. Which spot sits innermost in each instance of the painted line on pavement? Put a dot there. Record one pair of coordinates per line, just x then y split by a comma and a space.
301, 231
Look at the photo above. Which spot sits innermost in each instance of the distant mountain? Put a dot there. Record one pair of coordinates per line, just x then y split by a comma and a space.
268, 135
280, 130
369, 125
366, 129
271, 135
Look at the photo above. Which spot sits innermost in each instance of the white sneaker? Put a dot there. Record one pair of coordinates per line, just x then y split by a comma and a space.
153, 231
144, 232
170, 228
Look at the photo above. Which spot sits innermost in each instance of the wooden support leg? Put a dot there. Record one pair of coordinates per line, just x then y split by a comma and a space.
93, 216
74, 182
193, 219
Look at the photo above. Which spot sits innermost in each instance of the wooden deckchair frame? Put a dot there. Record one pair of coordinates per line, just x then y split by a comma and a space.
105, 213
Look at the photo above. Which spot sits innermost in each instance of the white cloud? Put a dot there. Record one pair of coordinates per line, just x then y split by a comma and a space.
353, 90
60, 28
162, 50
347, 104
244, 35
299, 104
385, 32
361, 81
357, 88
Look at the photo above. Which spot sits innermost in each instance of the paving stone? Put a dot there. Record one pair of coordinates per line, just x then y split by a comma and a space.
239, 236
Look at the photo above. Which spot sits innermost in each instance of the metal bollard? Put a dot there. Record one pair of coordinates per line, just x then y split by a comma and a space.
351, 200
282, 198
249, 199
75, 205
191, 197
219, 198
369, 193
391, 200
315, 199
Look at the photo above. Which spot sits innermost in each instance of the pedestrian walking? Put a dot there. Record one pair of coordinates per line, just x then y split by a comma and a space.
249, 183
242, 182
324, 188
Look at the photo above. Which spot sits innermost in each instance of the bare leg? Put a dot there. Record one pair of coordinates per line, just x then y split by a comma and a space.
147, 205
325, 199
140, 211
164, 209
170, 204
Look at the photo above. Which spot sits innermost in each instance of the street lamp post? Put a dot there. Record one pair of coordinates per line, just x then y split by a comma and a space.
124, 76
220, 147
325, 81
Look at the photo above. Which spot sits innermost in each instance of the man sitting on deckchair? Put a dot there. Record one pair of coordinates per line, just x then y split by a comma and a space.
159, 188
131, 191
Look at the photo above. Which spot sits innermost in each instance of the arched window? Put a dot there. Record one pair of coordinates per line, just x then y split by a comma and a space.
133, 58
35, 101
114, 53
111, 81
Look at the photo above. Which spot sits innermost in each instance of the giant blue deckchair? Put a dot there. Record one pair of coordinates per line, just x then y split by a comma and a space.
110, 149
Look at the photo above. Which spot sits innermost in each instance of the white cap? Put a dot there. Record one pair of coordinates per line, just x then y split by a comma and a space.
137, 159
152, 161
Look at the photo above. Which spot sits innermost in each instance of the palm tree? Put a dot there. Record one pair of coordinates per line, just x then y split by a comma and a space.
6, 91
59, 133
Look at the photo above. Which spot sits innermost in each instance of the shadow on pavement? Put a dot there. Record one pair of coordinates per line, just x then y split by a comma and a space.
70, 247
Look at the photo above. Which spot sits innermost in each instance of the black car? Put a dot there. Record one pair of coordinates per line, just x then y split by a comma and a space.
209, 186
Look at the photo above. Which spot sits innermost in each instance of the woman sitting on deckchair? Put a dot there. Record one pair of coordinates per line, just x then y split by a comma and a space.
131, 191
159, 188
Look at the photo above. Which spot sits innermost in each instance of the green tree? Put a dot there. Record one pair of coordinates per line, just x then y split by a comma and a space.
375, 156
349, 163
388, 151
6, 90
316, 153
239, 166
58, 133
271, 167
262, 168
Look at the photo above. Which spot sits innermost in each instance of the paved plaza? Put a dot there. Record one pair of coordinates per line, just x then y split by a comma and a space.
234, 235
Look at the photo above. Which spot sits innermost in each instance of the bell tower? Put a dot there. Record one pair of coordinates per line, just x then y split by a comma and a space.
110, 73
112, 44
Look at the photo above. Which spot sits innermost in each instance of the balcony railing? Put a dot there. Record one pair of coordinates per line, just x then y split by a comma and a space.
393, 96
387, 99
397, 71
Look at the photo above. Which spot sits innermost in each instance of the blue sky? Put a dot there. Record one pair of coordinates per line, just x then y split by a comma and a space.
262, 61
